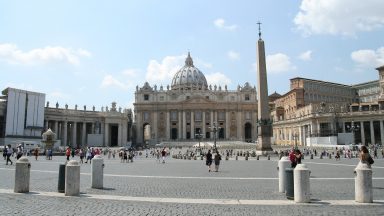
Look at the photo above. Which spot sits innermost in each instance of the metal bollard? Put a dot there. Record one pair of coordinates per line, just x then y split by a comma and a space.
97, 172
301, 184
201, 157
363, 183
72, 178
61, 180
284, 163
269, 157
246, 157
237, 157
257, 157
321, 156
22, 175
330, 156
289, 186
311, 156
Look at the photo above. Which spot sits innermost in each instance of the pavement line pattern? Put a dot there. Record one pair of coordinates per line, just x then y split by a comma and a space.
196, 201
333, 164
195, 177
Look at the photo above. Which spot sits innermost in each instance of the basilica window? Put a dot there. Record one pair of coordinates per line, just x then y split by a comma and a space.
221, 116
247, 98
146, 97
161, 98
248, 116
146, 116
173, 116
198, 116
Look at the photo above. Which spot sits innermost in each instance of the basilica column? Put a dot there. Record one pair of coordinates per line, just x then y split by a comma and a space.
193, 125
362, 133
382, 132
184, 126
203, 127
372, 132
74, 135
343, 126
239, 126
93, 128
180, 124
46, 124
65, 135
227, 120
168, 126
84, 134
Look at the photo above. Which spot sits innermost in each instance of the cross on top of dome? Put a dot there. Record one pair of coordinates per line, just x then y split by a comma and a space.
188, 60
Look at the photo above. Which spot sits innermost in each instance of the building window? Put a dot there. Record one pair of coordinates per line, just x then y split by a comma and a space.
187, 97
161, 98
232, 98
207, 97
146, 116
248, 116
146, 97
221, 116
247, 97
198, 116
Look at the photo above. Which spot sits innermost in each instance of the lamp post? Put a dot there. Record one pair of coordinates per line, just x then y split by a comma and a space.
295, 137
199, 136
214, 128
352, 129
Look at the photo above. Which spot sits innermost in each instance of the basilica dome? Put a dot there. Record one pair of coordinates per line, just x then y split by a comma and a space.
189, 77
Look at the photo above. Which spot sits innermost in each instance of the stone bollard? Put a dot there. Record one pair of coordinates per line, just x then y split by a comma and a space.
284, 163
61, 180
311, 156
22, 175
226, 158
257, 157
301, 184
237, 157
289, 186
321, 156
363, 183
72, 178
97, 172
269, 157
330, 156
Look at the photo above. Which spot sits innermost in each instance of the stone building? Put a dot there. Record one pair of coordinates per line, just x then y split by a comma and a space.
319, 112
190, 108
24, 116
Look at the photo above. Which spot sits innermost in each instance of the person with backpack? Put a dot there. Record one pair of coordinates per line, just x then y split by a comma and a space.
9, 153
163, 154
217, 160
365, 157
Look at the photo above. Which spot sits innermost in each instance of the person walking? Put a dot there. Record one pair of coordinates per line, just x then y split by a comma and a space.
68, 152
81, 153
217, 160
36, 153
163, 154
9, 153
292, 158
208, 161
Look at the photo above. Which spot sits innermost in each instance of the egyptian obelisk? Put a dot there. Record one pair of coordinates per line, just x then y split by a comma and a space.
263, 117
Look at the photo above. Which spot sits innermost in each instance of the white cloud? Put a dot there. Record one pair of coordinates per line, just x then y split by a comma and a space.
164, 71
369, 58
218, 79
220, 24
232, 55
110, 81
131, 72
345, 17
12, 54
306, 56
279, 63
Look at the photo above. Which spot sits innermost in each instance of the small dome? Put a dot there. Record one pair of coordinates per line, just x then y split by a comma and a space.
189, 77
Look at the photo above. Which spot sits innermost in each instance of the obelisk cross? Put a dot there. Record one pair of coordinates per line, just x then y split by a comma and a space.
259, 23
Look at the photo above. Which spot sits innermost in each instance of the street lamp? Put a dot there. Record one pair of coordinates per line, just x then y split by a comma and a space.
352, 129
295, 136
199, 136
214, 128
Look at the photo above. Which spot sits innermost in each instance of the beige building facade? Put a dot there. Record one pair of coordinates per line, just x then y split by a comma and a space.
190, 109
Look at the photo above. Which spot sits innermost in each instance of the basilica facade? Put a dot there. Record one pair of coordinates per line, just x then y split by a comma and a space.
190, 109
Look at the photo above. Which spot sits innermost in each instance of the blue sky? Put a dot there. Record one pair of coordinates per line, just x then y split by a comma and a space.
95, 52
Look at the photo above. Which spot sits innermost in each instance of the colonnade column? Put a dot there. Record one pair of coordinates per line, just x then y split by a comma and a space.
343, 127
382, 132
362, 133
192, 125
239, 127
211, 124
372, 132
65, 135
56, 130
74, 135
106, 134
84, 134
154, 126
119, 134
93, 128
